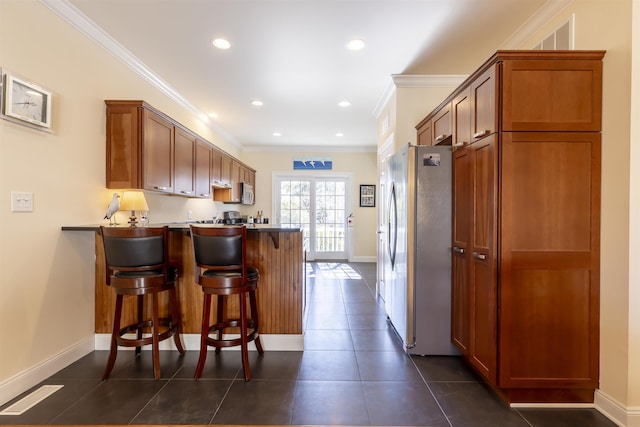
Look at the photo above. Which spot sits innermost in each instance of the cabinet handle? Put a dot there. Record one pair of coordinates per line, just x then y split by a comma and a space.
185, 192
160, 188
458, 250
440, 137
204, 194
481, 133
459, 144
479, 256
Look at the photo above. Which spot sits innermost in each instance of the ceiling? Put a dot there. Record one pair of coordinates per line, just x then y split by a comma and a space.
292, 55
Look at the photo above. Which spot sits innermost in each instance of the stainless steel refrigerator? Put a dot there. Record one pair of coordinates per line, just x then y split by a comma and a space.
418, 260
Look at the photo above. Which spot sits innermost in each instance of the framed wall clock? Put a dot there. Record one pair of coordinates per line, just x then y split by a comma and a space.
27, 102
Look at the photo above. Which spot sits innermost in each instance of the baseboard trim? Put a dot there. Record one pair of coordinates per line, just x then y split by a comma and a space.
28, 378
272, 342
363, 259
616, 411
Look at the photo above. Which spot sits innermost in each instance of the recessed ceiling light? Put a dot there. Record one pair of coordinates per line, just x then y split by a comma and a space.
339, 134
221, 43
257, 103
277, 134
213, 115
344, 103
355, 44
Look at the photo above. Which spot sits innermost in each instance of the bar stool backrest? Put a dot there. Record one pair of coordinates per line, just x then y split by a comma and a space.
220, 250
135, 250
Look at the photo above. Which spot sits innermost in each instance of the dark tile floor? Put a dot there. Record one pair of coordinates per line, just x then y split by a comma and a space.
352, 372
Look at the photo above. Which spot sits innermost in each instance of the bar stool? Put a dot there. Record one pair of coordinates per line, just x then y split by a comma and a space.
137, 263
221, 269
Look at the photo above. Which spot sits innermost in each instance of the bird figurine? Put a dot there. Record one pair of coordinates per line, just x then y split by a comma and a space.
114, 205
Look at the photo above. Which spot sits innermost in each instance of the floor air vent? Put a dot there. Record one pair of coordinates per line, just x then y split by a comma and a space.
27, 402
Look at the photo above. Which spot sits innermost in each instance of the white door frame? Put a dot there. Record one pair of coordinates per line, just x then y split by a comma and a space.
276, 177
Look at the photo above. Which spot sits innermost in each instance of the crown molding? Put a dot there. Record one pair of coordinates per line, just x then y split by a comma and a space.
415, 80
70, 14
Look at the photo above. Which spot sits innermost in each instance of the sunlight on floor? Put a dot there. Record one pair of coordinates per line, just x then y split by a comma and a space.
336, 270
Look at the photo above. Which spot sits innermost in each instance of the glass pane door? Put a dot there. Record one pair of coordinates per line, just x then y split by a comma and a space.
318, 206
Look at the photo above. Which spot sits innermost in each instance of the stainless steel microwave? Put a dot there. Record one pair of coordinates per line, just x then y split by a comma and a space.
246, 194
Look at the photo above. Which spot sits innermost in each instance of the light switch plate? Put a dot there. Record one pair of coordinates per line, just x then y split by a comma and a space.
21, 201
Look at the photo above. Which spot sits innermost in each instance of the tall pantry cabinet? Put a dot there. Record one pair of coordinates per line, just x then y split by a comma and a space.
526, 223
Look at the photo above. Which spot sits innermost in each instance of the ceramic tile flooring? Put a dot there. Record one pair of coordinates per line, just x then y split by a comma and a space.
352, 372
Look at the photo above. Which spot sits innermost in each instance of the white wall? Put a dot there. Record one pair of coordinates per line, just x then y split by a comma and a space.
46, 286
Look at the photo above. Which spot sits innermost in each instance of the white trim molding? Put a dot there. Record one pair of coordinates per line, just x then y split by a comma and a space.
23, 381
415, 80
616, 411
70, 14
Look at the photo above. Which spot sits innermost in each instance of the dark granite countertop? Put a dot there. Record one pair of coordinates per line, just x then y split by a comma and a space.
178, 226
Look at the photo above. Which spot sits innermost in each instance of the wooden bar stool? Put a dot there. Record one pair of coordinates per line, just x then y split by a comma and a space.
221, 269
137, 263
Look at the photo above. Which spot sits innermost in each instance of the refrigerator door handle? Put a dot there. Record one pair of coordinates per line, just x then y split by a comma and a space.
392, 238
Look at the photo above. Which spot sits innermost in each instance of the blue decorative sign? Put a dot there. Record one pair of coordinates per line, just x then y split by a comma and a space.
320, 163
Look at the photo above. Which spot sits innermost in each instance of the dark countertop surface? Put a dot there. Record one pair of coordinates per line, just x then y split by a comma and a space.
178, 226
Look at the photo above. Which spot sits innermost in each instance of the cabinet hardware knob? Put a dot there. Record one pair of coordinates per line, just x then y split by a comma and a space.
479, 256
481, 133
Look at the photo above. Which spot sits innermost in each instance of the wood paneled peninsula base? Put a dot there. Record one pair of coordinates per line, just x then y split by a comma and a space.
276, 252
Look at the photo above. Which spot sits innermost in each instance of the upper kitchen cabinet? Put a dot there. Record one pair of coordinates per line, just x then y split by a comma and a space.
549, 95
442, 125
424, 132
140, 147
436, 128
203, 169
461, 117
484, 114
185, 162
148, 150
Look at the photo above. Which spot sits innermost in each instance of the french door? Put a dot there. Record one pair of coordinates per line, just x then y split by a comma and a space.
318, 205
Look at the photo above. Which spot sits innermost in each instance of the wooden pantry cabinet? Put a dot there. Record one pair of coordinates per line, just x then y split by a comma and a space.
526, 223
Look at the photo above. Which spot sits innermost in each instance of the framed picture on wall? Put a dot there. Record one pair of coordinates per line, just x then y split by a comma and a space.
367, 195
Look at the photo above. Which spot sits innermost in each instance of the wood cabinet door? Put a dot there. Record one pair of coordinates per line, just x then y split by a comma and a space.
483, 262
123, 140
185, 144
549, 251
203, 170
461, 109
552, 95
227, 176
158, 149
237, 176
442, 124
216, 168
484, 112
462, 217
424, 134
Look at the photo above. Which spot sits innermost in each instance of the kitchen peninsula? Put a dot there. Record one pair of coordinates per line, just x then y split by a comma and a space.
276, 252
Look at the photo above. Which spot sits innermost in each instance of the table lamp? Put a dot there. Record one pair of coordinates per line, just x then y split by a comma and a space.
133, 201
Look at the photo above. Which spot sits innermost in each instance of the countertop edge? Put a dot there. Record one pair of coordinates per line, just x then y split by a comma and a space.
182, 227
